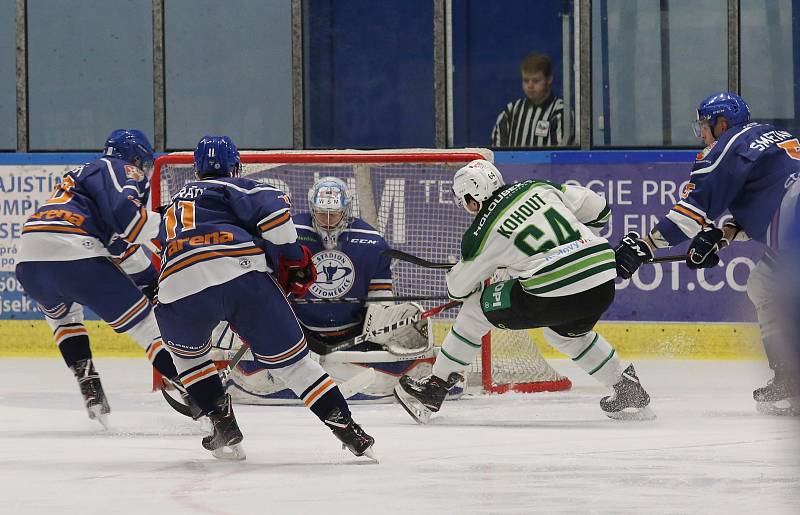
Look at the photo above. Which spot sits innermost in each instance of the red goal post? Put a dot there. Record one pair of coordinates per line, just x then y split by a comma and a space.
405, 194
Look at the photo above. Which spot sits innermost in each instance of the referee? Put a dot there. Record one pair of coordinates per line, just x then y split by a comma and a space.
537, 119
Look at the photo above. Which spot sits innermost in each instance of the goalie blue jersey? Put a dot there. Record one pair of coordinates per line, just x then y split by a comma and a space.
212, 232
355, 268
93, 207
745, 172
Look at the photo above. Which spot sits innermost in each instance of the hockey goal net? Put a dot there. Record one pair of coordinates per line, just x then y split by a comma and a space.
406, 195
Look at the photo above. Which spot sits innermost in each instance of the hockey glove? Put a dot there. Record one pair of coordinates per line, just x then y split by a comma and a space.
630, 253
703, 250
297, 276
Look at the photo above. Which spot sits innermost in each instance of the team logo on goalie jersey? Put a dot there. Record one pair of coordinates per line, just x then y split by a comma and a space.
335, 274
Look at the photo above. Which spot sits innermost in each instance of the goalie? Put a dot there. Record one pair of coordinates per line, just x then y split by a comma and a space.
347, 255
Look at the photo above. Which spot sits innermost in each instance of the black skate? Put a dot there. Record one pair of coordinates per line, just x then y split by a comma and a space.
353, 438
630, 401
92, 390
224, 440
781, 395
423, 398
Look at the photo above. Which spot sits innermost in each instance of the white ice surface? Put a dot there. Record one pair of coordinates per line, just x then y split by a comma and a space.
708, 452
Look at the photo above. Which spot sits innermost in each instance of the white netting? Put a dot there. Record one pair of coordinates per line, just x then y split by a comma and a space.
408, 198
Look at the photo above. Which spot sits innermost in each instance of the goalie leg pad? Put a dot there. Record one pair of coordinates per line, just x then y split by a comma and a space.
397, 328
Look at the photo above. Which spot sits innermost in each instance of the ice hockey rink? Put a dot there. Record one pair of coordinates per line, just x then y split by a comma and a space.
708, 452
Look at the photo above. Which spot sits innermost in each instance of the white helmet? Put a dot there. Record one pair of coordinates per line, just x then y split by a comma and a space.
478, 180
330, 204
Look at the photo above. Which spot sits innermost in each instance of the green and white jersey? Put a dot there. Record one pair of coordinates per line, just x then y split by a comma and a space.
545, 234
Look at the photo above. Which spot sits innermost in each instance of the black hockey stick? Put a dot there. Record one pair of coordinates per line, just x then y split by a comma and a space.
405, 256
322, 348
186, 410
667, 259
359, 300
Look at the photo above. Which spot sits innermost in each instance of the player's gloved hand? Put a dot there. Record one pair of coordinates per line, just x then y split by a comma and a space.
297, 276
703, 250
630, 253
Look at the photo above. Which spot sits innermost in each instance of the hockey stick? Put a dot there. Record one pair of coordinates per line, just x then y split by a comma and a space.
359, 300
184, 409
404, 256
667, 259
363, 337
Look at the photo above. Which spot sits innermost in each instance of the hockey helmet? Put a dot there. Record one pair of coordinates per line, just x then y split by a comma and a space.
128, 145
331, 207
477, 181
216, 156
730, 105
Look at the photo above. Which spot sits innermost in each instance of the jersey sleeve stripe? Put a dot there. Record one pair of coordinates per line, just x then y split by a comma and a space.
690, 214
128, 252
135, 227
274, 222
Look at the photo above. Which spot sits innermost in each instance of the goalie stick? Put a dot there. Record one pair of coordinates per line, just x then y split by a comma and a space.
404, 256
186, 410
363, 337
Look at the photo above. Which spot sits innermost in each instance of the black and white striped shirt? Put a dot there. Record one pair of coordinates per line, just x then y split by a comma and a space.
524, 124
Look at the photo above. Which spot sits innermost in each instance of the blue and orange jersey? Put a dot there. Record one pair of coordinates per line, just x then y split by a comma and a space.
93, 206
210, 229
746, 172
355, 268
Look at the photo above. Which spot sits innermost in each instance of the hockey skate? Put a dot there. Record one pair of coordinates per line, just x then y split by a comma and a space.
781, 395
423, 398
224, 440
353, 438
629, 401
92, 391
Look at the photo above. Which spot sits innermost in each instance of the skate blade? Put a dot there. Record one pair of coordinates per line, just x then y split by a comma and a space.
369, 453
96, 413
413, 407
632, 414
233, 452
785, 408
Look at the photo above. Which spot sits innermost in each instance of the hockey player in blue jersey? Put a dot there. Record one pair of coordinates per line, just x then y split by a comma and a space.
83, 248
749, 169
347, 254
214, 269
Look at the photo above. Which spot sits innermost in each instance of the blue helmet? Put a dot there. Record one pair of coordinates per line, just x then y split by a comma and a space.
730, 105
129, 144
216, 156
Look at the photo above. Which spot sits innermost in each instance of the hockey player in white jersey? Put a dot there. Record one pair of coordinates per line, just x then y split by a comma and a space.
545, 236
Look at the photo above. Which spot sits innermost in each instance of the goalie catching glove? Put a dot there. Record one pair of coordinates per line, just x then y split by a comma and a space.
296, 276
396, 330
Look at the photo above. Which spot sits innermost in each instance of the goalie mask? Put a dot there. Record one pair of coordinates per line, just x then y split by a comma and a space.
331, 205
476, 181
